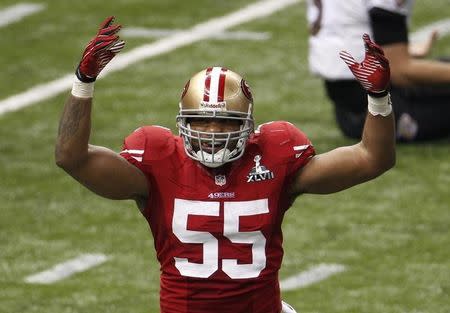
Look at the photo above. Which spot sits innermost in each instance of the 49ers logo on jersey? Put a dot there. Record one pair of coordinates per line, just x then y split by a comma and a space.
259, 172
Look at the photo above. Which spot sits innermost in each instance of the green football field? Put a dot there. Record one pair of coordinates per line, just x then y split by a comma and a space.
391, 235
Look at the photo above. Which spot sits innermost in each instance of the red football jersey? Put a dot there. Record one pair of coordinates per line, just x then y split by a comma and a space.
218, 234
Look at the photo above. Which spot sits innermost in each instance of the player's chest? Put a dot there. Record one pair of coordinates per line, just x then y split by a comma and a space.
247, 196
250, 179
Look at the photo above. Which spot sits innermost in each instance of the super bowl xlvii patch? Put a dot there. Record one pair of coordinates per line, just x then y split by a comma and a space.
221, 180
259, 172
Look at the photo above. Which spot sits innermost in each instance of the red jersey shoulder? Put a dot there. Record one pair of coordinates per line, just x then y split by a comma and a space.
284, 141
149, 143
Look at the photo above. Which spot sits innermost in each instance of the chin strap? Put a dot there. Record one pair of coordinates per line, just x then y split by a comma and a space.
220, 158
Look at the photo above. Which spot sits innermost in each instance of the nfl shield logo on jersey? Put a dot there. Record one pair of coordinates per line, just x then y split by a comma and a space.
221, 180
259, 172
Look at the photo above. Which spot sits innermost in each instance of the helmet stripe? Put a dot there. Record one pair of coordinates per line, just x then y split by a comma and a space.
214, 88
214, 85
220, 96
206, 92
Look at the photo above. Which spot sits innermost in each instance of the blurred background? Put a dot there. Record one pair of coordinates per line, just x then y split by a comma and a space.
391, 235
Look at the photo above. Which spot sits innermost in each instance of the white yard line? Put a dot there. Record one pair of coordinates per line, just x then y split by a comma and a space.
66, 269
17, 12
141, 32
197, 33
36, 94
311, 276
442, 26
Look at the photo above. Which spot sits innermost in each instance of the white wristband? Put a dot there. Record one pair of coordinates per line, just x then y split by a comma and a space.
380, 106
82, 90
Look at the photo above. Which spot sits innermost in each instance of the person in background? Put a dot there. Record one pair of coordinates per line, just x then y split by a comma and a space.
420, 88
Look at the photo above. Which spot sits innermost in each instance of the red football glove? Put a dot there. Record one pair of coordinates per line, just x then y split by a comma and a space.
373, 72
99, 51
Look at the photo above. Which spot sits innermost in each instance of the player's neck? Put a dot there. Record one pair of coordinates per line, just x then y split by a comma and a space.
221, 170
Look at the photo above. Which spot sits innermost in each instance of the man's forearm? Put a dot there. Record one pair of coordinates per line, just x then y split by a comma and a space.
407, 71
378, 139
375, 153
73, 132
428, 72
75, 124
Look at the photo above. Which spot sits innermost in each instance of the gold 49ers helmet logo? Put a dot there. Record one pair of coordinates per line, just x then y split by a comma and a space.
246, 90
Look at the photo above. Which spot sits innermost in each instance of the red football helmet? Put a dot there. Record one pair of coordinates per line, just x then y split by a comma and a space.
218, 93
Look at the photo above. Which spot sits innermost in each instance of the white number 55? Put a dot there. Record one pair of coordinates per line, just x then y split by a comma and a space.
232, 212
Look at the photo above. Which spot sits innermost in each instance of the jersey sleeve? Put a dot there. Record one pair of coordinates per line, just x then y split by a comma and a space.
388, 27
146, 145
389, 20
402, 7
287, 144
298, 151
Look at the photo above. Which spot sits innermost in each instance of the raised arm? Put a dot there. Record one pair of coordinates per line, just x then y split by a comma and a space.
99, 169
345, 167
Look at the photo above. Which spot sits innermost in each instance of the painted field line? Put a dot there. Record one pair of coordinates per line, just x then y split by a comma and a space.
422, 34
311, 276
17, 12
141, 32
66, 269
197, 33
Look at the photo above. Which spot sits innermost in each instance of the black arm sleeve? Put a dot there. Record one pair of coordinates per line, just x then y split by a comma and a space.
388, 27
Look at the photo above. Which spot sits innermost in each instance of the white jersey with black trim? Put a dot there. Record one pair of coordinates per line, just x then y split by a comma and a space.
342, 24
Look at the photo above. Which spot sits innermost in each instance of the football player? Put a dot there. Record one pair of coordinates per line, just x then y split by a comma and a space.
215, 195
420, 88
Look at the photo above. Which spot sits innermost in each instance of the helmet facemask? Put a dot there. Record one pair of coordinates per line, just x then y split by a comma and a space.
233, 102
214, 149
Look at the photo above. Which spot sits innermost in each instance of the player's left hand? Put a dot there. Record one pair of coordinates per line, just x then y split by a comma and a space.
100, 51
373, 72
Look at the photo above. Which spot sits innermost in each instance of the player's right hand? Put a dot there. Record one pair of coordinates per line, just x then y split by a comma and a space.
373, 72
99, 51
